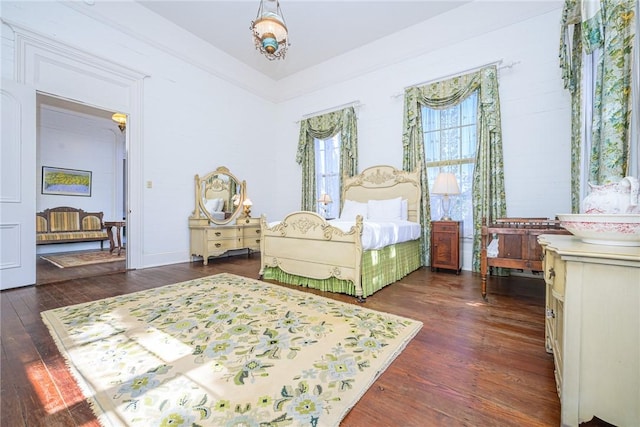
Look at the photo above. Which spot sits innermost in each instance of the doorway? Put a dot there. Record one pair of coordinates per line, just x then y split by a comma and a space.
75, 136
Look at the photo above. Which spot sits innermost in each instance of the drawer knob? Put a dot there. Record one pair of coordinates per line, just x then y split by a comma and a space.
258, 231
217, 233
218, 245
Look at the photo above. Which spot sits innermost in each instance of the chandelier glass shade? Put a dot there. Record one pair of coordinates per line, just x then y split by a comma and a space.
269, 30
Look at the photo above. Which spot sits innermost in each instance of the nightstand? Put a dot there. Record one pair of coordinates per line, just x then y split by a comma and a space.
445, 245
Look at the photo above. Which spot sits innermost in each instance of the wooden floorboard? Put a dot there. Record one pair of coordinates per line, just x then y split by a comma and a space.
474, 363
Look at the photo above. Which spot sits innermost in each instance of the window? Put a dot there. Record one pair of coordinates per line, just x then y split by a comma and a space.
450, 146
327, 153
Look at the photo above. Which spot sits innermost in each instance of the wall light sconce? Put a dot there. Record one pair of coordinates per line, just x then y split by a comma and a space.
269, 30
446, 184
247, 207
121, 120
324, 199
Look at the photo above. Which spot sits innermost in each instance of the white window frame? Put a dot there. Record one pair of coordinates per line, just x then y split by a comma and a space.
327, 170
458, 159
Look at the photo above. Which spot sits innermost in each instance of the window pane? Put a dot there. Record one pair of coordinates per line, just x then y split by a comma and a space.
327, 153
450, 146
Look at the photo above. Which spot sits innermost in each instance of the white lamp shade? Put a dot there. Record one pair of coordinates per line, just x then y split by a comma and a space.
325, 198
446, 183
247, 202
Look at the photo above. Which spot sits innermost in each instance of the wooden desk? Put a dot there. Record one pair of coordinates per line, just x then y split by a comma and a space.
109, 226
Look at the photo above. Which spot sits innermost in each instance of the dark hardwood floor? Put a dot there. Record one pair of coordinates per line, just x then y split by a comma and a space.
474, 363
49, 273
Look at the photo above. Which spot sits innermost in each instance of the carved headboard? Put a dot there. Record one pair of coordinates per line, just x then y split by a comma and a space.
385, 182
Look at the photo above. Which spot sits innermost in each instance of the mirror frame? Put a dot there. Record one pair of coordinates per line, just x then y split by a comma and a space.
200, 211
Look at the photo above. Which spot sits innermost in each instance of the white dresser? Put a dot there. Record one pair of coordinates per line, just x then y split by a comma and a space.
592, 327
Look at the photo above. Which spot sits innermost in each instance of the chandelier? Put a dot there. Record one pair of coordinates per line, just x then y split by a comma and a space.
270, 31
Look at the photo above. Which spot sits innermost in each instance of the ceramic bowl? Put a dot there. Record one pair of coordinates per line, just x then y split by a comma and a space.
604, 229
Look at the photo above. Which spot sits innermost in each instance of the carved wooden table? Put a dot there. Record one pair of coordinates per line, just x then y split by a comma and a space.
112, 244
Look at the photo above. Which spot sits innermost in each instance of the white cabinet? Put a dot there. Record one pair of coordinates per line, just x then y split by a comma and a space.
592, 327
209, 240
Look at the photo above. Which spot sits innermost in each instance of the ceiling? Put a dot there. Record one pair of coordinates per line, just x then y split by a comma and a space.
318, 29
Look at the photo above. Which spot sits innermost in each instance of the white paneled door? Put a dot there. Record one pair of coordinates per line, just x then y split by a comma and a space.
17, 185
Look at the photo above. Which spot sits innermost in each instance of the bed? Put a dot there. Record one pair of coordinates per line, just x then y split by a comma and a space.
513, 243
338, 255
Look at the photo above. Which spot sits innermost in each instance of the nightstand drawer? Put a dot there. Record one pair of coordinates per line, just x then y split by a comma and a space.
445, 228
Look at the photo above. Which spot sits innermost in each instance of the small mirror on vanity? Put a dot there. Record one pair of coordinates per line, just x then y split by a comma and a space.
219, 196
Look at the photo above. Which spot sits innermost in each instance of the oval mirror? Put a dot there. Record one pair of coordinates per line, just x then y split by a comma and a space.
219, 195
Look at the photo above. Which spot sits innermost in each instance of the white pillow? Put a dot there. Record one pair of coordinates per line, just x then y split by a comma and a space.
214, 205
404, 210
381, 210
351, 209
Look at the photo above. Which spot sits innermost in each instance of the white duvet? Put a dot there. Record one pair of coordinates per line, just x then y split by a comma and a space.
378, 234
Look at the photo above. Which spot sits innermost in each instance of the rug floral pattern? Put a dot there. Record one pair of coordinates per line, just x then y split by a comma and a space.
225, 350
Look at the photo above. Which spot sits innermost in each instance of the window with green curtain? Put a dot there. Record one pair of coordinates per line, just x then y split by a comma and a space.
597, 55
341, 122
487, 187
450, 146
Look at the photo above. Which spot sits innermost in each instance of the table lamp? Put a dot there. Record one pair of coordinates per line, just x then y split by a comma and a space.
247, 207
446, 184
324, 199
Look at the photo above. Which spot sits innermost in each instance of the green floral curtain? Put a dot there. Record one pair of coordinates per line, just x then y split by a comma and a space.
598, 32
322, 127
488, 177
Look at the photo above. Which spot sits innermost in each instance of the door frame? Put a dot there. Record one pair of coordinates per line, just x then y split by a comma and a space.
56, 69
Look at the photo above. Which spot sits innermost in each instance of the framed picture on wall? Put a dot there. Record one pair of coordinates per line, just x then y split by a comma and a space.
66, 182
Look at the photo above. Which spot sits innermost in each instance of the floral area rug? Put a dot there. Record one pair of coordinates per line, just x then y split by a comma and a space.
83, 258
225, 350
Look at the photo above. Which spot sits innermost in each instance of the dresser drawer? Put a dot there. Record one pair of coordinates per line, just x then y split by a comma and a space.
560, 270
222, 233
216, 246
549, 269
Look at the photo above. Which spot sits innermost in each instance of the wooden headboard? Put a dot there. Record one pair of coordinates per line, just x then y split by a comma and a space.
385, 182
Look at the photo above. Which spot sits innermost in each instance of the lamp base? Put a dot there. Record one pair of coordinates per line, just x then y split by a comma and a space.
445, 205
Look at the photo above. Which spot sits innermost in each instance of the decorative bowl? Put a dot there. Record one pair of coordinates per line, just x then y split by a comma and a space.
604, 229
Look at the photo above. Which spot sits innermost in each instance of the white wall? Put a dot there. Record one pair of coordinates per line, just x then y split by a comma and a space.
196, 118
193, 121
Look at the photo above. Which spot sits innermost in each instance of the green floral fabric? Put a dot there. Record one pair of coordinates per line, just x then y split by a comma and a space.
604, 30
325, 126
488, 193
225, 350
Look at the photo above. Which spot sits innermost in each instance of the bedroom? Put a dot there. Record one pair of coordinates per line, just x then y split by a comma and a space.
189, 125
187, 111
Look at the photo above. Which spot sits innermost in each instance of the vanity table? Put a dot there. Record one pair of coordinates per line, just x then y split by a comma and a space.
592, 327
217, 224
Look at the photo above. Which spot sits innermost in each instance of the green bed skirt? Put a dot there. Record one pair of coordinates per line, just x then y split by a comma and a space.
379, 268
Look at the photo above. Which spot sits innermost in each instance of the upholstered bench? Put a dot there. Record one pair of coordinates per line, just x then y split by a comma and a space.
69, 225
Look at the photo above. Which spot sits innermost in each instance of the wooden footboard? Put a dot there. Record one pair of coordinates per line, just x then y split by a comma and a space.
305, 244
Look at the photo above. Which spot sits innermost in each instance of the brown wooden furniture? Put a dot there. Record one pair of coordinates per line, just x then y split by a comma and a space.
518, 245
445, 245
113, 243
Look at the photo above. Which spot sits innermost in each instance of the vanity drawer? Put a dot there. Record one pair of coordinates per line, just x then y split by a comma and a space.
220, 233
224, 245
